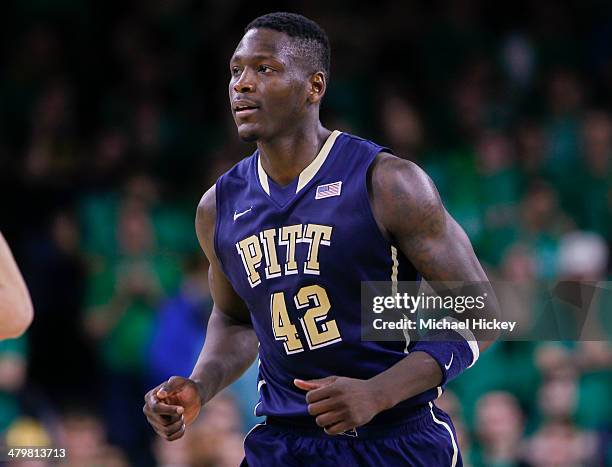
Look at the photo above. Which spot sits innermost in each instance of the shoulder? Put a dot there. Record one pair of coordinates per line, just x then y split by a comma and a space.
401, 193
206, 214
241, 172
231, 180
350, 142
394, 178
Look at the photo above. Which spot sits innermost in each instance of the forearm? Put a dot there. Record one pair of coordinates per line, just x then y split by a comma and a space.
415, 373
15, 304
228, 351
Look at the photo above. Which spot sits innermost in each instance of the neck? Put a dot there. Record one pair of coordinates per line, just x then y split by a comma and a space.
284, 157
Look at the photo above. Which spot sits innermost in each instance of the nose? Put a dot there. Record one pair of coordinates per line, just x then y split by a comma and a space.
244, 82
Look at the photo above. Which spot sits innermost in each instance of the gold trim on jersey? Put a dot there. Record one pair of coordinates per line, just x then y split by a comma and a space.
263, 176
309, 172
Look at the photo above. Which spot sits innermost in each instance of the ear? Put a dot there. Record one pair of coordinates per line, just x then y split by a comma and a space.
318, 85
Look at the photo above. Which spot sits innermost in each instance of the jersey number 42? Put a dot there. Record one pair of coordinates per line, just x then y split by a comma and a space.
319, 331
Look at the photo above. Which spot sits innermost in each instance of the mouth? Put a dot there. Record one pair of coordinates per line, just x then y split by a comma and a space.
244, 109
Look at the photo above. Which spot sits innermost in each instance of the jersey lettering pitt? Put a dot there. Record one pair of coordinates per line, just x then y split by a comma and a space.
297, 256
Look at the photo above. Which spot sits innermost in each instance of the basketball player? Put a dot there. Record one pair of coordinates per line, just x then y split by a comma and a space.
291, 232
16, 310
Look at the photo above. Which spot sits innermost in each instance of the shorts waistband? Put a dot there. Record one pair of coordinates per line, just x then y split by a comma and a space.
418, 419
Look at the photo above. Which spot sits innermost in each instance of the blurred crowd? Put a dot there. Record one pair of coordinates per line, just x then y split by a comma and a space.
114, 120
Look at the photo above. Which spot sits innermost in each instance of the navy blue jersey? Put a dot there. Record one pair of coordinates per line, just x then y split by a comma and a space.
297, 256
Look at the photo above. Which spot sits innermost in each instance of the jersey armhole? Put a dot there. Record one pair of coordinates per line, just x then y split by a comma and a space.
365, 198
404, 264
218, 223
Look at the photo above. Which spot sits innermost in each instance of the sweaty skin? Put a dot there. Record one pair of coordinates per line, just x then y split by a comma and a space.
16, 311
282, 99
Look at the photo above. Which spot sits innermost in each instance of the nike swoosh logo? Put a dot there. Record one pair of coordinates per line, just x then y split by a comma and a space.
238, 214
448, 365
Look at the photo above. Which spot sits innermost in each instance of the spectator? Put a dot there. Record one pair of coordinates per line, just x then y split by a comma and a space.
499, 427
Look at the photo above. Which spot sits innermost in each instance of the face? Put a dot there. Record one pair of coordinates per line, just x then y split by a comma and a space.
269, 91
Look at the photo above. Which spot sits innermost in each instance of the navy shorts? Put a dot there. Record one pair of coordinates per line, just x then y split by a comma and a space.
426, 439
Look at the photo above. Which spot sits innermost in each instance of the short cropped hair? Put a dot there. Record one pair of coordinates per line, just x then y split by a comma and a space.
311, 41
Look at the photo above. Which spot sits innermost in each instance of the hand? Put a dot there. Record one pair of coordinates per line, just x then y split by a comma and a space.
340, 404
171, 406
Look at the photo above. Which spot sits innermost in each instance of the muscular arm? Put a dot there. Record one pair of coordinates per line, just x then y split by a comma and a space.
409, 211
231, 344
15, 305
229, 349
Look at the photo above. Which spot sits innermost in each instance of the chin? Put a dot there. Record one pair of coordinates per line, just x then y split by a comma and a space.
248, 135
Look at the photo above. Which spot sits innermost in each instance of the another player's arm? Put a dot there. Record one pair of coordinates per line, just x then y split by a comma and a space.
16, 309
229, 349
409, 212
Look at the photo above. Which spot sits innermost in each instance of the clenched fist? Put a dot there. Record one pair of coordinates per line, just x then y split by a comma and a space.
340, 404
171, 406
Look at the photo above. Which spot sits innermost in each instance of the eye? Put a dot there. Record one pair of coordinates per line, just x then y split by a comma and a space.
264, 69
235, 71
